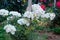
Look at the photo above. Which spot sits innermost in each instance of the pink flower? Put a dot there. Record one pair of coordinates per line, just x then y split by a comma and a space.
43, 7
58, 4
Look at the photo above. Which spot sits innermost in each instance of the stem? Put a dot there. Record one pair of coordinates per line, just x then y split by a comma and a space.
54, 3
29, 8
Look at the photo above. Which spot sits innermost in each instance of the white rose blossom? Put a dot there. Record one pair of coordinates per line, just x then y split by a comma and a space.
28, 15
4, 12
38, 7
23, 21
47, 15
35, 7
37, 10
10, 28
52, 16
37, 14
14, 13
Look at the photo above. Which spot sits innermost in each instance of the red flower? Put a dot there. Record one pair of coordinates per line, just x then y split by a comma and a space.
41, 0
58, 4
43, 7
58, 0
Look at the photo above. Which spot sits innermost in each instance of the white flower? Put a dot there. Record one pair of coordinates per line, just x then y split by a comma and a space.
47, 15
4, 12
37, 14
52, 16
28, 15
23, 21
35, 7
14, 13
38, 11
10, 28
38, 7
10, 18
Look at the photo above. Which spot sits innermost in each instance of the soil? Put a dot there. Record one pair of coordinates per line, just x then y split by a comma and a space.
51, 35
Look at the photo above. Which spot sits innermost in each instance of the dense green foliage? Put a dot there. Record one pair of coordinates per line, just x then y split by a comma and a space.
57, 30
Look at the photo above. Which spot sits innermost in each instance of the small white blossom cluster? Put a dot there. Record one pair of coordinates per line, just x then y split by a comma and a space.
52, 16
37, 9
23, 21
4, 12
49, 15
28, 15
14, 13
10, 28
31, 15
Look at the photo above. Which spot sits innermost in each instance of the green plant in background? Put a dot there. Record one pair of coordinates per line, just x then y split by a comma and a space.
56, 30
2, 18
20, 34
14, 5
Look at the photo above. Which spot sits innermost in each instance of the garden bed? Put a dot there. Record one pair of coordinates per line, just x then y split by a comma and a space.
51, 35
